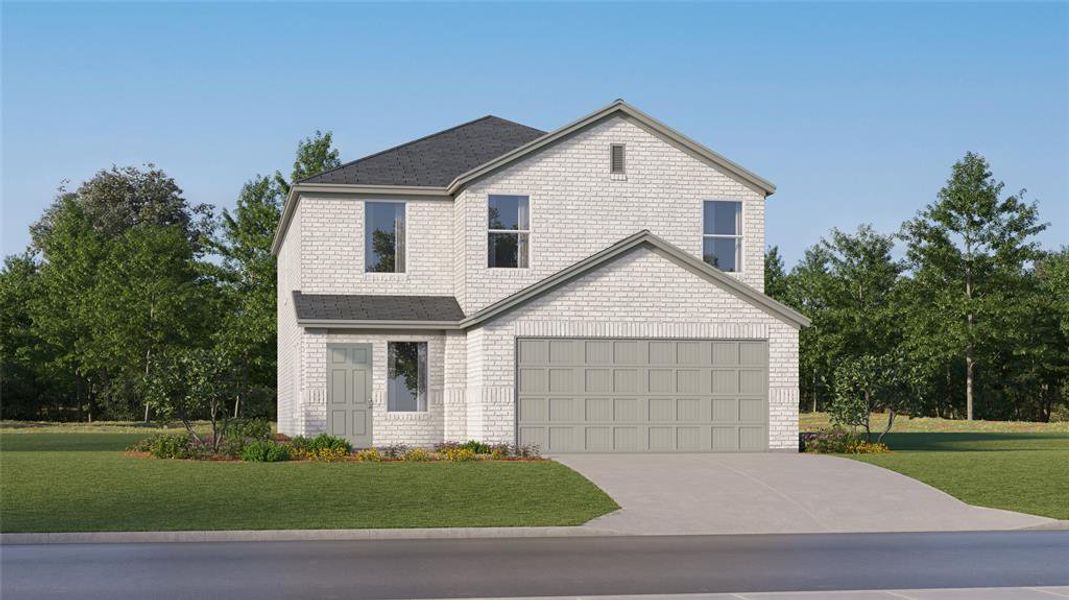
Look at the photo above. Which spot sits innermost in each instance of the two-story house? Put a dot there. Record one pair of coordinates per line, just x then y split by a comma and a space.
597, 288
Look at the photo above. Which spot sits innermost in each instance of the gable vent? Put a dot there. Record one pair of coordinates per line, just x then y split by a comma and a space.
616, 159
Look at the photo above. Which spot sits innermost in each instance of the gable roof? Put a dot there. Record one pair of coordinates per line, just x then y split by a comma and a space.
617, 107
434, 160
643, 238
339, 309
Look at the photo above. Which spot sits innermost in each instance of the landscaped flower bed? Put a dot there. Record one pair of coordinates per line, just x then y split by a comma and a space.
259, 445
837, 440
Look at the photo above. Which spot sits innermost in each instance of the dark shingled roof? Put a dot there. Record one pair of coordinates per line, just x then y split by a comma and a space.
435, 160
345, 307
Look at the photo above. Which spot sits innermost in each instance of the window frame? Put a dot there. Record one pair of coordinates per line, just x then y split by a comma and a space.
404, 255
422, 399
739, 236
518, 232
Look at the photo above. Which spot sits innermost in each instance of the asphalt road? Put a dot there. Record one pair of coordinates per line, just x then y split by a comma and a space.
534, 566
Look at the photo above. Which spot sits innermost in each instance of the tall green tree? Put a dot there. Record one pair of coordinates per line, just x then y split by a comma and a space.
966, 251
315, 154
776, 280
847, 285
119, 198
247, 335
150, 295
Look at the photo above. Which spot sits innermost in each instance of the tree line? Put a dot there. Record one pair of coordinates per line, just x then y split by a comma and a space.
130, 295
131, 300
958, 314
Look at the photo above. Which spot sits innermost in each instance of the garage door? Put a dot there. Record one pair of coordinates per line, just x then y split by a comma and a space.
642, 395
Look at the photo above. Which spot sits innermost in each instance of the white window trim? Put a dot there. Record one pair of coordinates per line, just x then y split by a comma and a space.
530, 226
740, 260
427, 378
391, 274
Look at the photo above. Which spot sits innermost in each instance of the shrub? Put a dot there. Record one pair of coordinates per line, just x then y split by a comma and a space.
325, 441
476, 447
167, 445
369, 455
248, 429
265, 451
394, 451
839, 441
416, 455
459, 454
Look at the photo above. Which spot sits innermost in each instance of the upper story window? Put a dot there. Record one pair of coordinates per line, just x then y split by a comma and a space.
722, 235
384, 237
616, 159
407, 384
509, 230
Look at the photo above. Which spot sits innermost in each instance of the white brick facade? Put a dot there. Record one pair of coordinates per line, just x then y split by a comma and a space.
576, 210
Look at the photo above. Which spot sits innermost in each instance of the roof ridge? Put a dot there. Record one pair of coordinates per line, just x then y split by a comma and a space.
417, 140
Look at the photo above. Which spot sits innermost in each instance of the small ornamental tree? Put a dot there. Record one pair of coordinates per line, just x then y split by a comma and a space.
187, 384
868, 384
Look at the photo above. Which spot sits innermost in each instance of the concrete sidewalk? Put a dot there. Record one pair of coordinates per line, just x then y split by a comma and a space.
1005, 593
687, 494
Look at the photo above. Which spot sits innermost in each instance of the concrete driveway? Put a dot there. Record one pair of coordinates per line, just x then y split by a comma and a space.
774, 493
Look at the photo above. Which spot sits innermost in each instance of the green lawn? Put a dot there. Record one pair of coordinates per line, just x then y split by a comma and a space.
81, 481
1015, 466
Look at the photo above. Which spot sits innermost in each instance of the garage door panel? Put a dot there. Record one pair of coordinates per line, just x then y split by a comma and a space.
661, 381
690, 381
625, 439
751, 438
626, 352
725, 438
532, 436
599, 353
621, 395
752, 381
561, 381
533, 381
751, 410
625, 410
599, 439
725, 410
563, 352
725, 381
560, 439
598, 381
625, 381
725, 353
661, 410
532, 352
532, 410
598, 410
688, 410
562, 410
753, 353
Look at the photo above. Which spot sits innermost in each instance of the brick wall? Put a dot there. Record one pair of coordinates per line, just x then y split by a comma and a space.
577, 208
332, 244
641, 294
411, 428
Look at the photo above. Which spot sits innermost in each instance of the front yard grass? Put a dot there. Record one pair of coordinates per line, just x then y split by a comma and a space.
1016, 466
81, 481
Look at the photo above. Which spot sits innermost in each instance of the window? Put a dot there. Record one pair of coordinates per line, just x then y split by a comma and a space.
722, 235
616, 159
384, 237
407, 385
509, 231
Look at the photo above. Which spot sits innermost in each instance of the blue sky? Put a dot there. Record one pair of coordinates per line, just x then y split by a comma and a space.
855, 111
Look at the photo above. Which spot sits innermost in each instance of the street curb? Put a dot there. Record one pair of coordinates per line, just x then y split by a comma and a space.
295, 535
